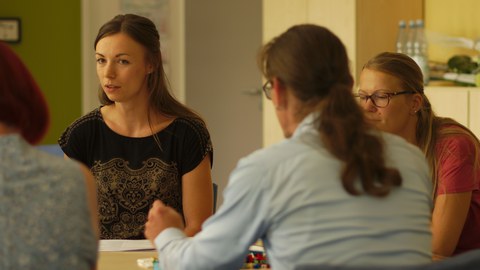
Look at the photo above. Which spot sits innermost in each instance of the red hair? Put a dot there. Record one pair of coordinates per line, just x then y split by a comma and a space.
22, 104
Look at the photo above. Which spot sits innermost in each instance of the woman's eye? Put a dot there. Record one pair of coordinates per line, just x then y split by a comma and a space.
381, 96
362, 96
100, 60
123, 62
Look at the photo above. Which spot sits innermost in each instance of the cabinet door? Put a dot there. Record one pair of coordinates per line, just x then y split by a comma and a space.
474, 113
449, 102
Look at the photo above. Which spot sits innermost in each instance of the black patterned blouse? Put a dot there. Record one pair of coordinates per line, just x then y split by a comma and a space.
132, 172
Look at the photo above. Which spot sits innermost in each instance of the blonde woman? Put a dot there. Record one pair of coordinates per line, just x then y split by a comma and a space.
391, 93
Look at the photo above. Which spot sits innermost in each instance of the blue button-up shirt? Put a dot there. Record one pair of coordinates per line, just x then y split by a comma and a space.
290, 195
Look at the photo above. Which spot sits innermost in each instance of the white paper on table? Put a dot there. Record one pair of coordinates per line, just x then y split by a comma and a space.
125, 245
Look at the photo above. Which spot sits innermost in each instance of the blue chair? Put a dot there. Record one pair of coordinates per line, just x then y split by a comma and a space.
53, 149
215, 188
466, 261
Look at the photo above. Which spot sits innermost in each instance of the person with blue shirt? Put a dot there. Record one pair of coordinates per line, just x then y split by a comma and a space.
335, 191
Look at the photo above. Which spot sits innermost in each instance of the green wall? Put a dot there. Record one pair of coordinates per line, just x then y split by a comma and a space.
51, 48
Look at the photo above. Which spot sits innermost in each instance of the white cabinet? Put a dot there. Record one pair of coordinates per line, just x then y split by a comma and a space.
474, 111
449, 102
459, 103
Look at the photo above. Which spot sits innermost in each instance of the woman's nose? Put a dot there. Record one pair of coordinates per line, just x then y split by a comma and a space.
109, 70
368, 105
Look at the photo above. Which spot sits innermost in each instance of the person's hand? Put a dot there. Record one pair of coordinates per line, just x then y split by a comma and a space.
161, 217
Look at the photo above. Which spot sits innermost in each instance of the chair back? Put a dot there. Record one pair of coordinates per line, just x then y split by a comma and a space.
469, 260
53, 149
215, 188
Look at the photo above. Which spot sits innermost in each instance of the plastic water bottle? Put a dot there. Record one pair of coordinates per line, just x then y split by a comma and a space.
402, 37
420, 50
410, 38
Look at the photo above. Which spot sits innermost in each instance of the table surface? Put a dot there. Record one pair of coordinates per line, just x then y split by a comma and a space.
109, 260
123, 260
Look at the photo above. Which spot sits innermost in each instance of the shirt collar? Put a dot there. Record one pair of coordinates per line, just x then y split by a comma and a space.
306, 124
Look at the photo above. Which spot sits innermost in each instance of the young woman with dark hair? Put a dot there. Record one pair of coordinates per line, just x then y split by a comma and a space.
141, 144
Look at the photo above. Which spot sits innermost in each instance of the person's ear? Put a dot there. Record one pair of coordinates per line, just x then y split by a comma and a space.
417, 102
149, 68
279, 94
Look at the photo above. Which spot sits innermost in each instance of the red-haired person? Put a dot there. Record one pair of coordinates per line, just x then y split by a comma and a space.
48, 205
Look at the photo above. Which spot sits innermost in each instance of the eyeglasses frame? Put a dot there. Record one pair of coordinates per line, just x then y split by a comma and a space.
389, 96
267, 89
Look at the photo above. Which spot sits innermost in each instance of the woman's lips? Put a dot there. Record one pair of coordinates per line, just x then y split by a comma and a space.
111, 87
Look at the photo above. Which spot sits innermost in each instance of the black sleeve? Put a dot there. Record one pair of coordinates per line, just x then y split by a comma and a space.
74, 141
195, 145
